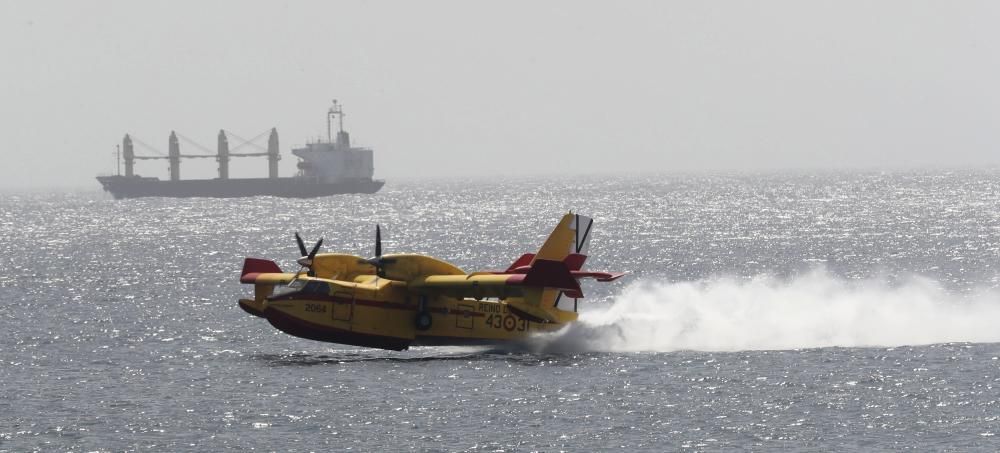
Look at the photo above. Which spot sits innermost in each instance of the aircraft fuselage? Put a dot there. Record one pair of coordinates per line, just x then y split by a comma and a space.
380, 313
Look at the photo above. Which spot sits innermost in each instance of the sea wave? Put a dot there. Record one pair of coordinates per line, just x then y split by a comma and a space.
812, 310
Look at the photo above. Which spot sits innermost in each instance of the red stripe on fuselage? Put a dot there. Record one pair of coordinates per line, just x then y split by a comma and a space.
373, 303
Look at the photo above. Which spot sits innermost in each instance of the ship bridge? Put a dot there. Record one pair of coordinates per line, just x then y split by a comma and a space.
335, 161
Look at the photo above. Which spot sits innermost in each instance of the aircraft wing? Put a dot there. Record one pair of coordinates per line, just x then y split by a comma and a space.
474, 286
542, 274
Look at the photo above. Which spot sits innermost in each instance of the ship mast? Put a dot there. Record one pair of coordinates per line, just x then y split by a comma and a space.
335, 111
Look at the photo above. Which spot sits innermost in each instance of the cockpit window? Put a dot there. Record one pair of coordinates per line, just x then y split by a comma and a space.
293, 286
315, 287
303, 287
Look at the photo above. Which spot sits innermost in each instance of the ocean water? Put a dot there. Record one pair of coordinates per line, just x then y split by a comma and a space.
816, 312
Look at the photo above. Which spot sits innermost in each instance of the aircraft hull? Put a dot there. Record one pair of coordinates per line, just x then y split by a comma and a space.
312, 331
391, 325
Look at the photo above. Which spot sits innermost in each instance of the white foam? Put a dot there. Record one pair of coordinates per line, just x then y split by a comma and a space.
766, 313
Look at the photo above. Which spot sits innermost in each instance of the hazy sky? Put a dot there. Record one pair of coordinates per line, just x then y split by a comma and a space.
504, 88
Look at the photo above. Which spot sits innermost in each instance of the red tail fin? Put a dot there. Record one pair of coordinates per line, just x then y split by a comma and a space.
551, 274
524, 260
257, 266
574, 261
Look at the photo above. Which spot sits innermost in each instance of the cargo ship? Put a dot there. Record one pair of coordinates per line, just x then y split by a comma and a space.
329, 167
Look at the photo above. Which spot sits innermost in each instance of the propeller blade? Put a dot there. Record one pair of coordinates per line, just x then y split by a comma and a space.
315, 249
302, 245
377, 261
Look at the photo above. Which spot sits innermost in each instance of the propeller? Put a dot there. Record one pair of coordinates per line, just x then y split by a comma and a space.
302, 245
378, 261
306, 260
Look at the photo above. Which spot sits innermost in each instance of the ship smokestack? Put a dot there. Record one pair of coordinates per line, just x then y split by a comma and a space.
129, 155
174, 156
343, 140
272, 154
223, 157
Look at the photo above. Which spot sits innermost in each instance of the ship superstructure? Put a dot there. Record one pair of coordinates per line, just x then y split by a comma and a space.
335, 161
325, 168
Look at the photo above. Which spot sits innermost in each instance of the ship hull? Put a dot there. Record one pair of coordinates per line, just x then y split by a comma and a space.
134, 187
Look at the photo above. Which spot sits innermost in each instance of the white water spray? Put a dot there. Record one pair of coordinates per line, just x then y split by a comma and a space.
765, 313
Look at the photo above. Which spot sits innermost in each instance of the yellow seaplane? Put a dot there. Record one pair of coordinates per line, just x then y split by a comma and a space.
395, 301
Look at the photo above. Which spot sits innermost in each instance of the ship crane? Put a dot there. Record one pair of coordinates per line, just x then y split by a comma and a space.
222, 155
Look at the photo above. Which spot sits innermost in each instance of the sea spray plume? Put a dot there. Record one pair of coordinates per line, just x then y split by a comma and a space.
809, 311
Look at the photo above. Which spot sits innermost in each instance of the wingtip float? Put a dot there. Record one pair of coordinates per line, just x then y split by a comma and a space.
400, 300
